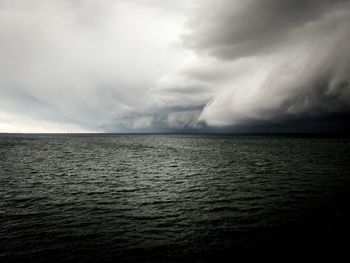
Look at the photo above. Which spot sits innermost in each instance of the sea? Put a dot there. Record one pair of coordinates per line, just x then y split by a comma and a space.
174, 198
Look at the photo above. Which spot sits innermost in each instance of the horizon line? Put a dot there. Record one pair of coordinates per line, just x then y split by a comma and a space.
177, 133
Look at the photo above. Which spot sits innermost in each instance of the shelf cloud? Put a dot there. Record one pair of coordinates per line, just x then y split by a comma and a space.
147, 65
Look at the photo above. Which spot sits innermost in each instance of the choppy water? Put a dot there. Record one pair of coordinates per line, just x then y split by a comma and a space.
165, 198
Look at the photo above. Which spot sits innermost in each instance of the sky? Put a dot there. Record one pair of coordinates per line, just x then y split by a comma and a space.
174, 66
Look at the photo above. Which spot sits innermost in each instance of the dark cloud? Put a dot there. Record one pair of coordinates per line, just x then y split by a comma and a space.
293, 55
229, 29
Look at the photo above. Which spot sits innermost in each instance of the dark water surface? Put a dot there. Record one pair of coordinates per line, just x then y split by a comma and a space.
174, 198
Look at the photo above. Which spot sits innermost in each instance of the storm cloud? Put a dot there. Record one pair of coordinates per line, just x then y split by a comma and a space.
294, 56
147, 65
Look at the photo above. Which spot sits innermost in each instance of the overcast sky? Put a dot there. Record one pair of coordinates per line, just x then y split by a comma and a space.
165, 65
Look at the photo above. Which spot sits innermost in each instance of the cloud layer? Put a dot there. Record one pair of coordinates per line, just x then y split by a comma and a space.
81, 63
294, 55
146, 65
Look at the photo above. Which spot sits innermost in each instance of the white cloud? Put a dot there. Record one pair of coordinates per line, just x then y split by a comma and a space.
88, 62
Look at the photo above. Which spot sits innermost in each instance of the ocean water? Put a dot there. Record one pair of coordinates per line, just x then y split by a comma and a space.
173, 198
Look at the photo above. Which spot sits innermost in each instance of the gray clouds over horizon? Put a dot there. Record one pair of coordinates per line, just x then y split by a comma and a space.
295, 56
147, 65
